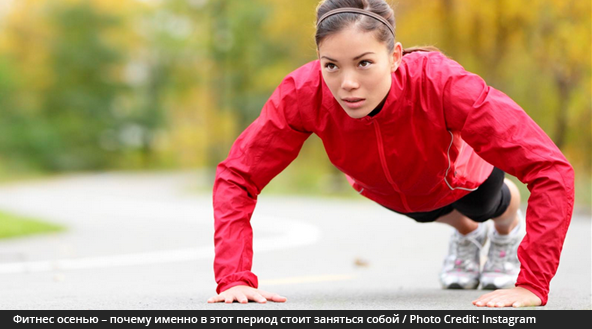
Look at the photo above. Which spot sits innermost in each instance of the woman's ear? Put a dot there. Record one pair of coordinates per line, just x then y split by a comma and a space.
397, 56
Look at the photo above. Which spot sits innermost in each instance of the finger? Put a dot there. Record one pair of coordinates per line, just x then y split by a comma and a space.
241, 298
273, 297
482, 303
258, 298
491, 303
277, 298
216, 299
496, 294
500, 302
483, 300
229, 299
485, 296
479, 301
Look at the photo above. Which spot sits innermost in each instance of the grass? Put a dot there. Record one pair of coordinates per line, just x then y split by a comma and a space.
12, 226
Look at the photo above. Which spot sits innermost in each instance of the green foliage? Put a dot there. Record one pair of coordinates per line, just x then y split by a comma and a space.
63, 128
126, 84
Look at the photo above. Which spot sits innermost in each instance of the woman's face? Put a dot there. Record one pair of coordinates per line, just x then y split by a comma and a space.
357, 69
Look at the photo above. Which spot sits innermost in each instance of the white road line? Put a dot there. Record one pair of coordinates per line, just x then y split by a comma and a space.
285, 234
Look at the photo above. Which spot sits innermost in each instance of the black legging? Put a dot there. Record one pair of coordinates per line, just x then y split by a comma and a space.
490, 200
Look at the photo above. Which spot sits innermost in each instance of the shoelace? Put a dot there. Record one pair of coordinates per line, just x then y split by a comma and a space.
499, 251
463, 251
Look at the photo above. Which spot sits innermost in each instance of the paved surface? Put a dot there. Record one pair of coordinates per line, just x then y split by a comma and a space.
144, 241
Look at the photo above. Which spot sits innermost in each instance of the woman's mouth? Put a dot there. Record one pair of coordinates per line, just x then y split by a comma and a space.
353, 102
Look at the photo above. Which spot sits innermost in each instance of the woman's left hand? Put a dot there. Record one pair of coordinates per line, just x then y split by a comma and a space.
515, 297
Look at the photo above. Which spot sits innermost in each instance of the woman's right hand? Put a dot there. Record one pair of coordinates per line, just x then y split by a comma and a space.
244, 294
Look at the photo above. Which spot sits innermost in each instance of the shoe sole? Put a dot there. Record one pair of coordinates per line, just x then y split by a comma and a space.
490, 286
456, 286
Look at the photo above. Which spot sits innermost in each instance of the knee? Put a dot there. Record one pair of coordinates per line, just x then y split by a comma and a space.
514, 193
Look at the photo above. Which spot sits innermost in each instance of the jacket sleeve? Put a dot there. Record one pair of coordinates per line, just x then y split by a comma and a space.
261, 152
504, 135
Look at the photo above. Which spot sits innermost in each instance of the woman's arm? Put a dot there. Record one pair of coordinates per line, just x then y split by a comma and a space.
504, 135
261, 152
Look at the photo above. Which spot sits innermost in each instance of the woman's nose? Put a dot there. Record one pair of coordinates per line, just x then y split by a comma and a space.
349, 82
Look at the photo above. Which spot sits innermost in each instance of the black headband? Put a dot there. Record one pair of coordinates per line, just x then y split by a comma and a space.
357, 11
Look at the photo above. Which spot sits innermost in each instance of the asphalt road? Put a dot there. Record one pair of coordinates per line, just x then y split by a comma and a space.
144, 241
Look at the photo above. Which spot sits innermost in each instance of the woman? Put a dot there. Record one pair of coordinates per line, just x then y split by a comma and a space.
416, 133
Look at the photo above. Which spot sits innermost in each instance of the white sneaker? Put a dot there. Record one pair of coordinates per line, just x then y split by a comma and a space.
462, 264
502, 266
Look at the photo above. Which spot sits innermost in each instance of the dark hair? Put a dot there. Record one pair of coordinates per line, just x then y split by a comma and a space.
338, 22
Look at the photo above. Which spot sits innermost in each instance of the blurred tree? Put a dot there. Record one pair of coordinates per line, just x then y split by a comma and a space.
7, 102
84, 101
78, 105
23, 45
94, 84
237, 50
65, 101
538, 52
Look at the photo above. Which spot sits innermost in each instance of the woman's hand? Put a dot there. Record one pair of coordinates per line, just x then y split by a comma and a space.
515, 297
244, 294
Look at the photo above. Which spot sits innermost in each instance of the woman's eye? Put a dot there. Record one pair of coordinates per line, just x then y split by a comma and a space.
330, 66
365, 63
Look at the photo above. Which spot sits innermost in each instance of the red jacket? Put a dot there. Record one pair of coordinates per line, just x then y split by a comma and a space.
438, 136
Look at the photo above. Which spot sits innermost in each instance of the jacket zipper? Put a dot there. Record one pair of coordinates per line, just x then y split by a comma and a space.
385, 167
